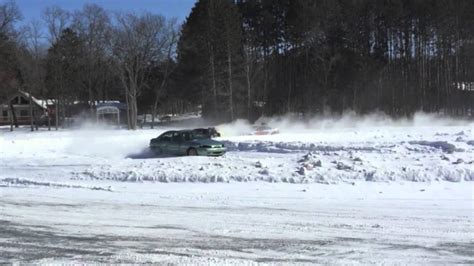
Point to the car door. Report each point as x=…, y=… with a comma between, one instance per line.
x=161, y=144
x=174, y=146
x=186, y=142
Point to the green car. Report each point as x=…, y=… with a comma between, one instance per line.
x=186, y=142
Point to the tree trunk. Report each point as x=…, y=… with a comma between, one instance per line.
x=63, y=114
x=214, y=86
x=134, y=112
x=49, y=121
x=288, y=99
x=231, y=93
x=153, y=113
x=91, y=98
x=162, y=87
x=249, y=89
x=13, y=115
x=265, y=83
x=31, y=111
x=56, y=114
x=210, y=26
x=11, y=122
x=133, y=105
x=127, y=101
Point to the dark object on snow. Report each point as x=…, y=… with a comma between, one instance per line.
x=443, y=145
x=443, y=157
x=186, y=142
x=343, y=166
x=165, y=118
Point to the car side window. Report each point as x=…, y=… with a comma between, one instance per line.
x=166, y=137
x=200, y=133
x=187, y=136
x=177, y=137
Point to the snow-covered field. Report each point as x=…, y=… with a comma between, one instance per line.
x=341, y=191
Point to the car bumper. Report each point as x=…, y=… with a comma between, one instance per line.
x=211, y=151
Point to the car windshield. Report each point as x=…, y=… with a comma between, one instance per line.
x=166, y=136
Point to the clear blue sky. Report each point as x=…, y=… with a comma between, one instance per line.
x=32, y=9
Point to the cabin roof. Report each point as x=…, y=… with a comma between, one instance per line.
x=40, y=103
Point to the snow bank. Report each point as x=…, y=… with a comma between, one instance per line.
x=331, y=154
x=309, y=168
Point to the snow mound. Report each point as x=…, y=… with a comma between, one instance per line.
x=309, y=168
x=297, y=147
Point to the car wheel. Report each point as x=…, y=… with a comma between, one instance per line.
x=192, y=152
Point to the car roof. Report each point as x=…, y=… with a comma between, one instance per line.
x=169, y=131
x=179, y=131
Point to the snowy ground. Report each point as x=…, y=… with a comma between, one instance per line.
x=394, y=193
x=239, y=223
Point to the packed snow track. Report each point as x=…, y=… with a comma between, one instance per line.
x=238, y=223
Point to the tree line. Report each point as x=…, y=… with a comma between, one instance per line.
x=248, y=58
x=87, y=56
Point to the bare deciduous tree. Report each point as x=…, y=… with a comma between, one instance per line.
x=94, y=27
x=31, y=58
x=9, y=14
x=171, y=37
x=56, y=20
x=138, y=41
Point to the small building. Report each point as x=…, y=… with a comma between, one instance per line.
x=21, y=106
x=111, y=112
